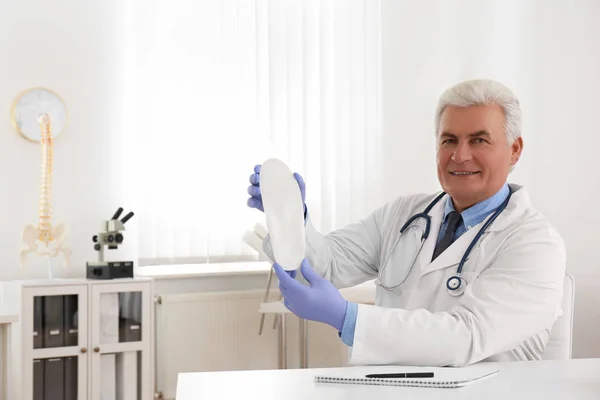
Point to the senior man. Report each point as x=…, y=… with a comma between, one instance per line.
x=469, y=274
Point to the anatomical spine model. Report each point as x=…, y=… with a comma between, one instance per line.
x=45, y=240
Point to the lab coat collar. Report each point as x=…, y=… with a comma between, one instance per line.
x=450, y=257
x=436, y=214
x=477, y=213
x=517, y=206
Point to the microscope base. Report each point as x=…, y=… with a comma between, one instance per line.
x=109, y=270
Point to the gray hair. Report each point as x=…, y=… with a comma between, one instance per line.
x=481, y=92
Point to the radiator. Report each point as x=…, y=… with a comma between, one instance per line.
x=218, y=331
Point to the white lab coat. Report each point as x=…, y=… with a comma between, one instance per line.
x=513, y=295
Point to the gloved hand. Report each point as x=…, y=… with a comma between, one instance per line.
x=320, y=301
x=254, y=190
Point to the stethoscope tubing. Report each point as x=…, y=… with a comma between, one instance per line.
x=425, y=215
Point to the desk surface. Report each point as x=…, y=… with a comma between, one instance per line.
x=572, y=379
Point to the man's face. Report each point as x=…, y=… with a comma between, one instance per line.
x=473, y=155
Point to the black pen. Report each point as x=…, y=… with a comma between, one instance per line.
x=403, y=375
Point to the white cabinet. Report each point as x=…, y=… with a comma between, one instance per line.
x=80, y=339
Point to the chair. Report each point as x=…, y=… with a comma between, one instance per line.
x=560, y=342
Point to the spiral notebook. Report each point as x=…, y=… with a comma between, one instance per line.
x=443, y=377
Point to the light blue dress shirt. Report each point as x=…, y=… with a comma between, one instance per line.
x=470, y=218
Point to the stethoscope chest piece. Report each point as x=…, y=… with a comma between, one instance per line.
x=456, y=285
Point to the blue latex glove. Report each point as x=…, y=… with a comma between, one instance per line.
x=320, y=301
x=255, y=201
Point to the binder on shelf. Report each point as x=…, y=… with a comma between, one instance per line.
x=71, y=378
x=129, y=331
x=54, y=373
x=38, y=379
x=130, y=310
x=53, y=321
x=38, y=312
x=70, y=328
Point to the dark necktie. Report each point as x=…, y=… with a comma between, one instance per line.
x=454, y=220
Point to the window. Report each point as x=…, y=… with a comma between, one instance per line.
x=215, y=87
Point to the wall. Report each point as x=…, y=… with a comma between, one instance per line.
x=69, y=46
x=549, y=56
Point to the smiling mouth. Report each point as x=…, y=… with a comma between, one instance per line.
x=463, y=173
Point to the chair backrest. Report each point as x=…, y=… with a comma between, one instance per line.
x=560, y=343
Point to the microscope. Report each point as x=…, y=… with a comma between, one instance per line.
x=111, y=237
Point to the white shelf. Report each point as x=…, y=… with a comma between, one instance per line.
x=71, y=282
x=203, y=270
x=8, y=319
x=18, y=302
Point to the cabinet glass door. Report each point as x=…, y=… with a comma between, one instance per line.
x=57, y=353
x=55, y=321
x=56, y=378
x=121, y=317
x=121, y=322
x=119, y=376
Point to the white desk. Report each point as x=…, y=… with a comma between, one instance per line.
x=6, y=322
x=549, y=380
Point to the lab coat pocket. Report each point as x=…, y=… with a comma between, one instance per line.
x=401, y=259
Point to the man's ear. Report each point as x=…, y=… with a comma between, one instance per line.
x=517, y=149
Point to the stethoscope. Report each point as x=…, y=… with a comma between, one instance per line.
x=455, y=285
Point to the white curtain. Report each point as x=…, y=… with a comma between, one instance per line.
x=216, y=87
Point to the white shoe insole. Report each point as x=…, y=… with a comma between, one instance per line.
x=284, y=211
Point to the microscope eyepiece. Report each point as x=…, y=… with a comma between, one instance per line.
x=127, y=217
x=118, y=213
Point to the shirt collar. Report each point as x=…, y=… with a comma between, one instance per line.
x=477, y=213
